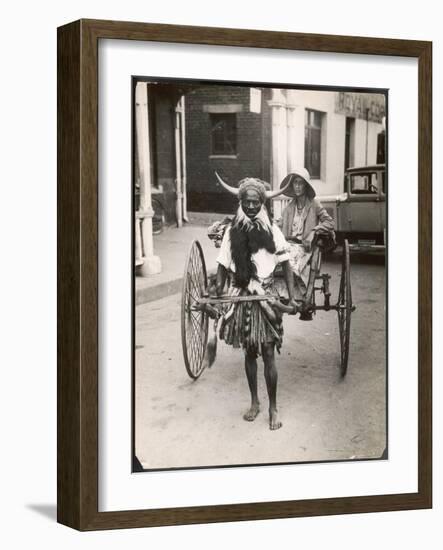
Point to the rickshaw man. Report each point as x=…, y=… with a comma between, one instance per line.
x=251, y=249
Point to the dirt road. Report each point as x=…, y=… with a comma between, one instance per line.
x=182, y=423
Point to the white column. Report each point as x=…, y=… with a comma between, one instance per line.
x=178, y=166
x=279, y=161
x=138, y=241
x=151, y=264
x=183, y=151
x=292, y=132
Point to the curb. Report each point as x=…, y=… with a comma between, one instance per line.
x=150, y=294
x=157, y=292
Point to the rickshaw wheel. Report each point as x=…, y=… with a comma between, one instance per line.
x=313, y=274
x=194, y=323
x=344, y=309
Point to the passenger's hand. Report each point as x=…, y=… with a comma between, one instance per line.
x=294, y=304
x=212, y=289
x=307, y=243
x=219, y=290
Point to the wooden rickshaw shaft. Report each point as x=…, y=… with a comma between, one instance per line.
x=225, y=299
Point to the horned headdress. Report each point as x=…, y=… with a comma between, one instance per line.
x=252, y=183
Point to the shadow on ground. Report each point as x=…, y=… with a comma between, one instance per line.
x=48, y=511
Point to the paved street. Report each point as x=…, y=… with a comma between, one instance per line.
x=182, y=423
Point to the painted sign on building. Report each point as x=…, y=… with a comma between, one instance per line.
x=366, y=106
x=255, y=100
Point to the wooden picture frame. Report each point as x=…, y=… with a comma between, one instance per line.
x=78, y=467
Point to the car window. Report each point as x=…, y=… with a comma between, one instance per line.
x=364, y=184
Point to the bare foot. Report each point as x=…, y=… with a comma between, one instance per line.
x=274, y=422
x=252, y=413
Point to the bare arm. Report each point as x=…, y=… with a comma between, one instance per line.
x=221, y=279
x=324, y=219
x=289, y=278
x=325, y=224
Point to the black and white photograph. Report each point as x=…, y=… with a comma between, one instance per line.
x=260, y=300
x=220, y=280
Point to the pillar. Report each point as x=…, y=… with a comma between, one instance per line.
x=292, y=141
x=151, y=263
x=279, y=143
x=178, y=165
x=183, y=151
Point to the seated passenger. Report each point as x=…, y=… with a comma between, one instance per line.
x=301, y=220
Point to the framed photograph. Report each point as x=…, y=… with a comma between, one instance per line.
x=244, y=275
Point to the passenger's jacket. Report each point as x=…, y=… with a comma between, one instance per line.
x=316, y=218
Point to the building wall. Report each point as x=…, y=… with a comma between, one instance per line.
x=333, y=139
x=270, y=143
x=253, y=146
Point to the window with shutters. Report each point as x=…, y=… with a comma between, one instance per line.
x=313, y=129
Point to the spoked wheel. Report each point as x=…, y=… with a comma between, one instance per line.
x=315, y=270
x=345, y=309
x=194, y=323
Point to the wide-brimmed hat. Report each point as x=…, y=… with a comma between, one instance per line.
x=304, y=174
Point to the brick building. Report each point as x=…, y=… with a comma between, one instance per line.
x=267, y=133
x=228, y=130
x=185, y=131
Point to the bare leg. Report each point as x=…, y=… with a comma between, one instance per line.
x=251, y=375
x=271, y=378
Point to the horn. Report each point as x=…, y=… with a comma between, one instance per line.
x=232, y=190
x=272, y=194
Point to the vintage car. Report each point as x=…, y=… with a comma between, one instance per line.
x=359, y=212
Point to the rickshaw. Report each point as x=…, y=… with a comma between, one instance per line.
x=198, y=306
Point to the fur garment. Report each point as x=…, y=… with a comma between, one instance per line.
x=248, y=237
